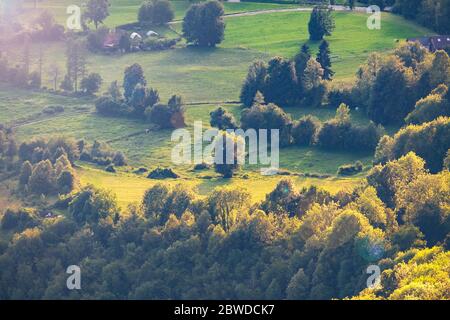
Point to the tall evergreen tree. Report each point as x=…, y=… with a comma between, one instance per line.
x=321, y=23
x=253, y=83
x=281, y=82
x=323, y=57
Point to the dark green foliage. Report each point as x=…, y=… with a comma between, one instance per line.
x=280, y=82
x=96, y=39
x=429, y=141
x=119, y=159
x=226, y=144
x=305, y=130
x=110, y=169
x=18, y=220
x=254, y=82
x=408, y=236
x=66, y=181
x=163, y=173
x=91, y=205
x=203, y=24
x=389, y=95
x=160, y=202
x=106, y=106
x=321, y=23
x=350, y=169
x=133, y=76
x=222, y=119
x=268, y=117
x=42, y=179
x=224, y=244
x=436, y=104
x=76, y=64
x=156, y=12
x=97, y=11
x=168, y=116
x=67, y=84
x=323, y=57
x=433, y=14
x=91, y=84
x=300, y=62
x=340, y=134
x=25, y=173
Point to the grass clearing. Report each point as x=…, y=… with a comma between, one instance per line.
x=202, y=75
x=130, y=188
x=283, y=33
x=125, y=11
x=207, y=76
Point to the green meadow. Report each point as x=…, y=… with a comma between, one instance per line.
x=125, y=11
x=212, y=75
x=206, y=78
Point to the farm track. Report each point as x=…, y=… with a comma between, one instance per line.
x=268, y=11
x=17, y=124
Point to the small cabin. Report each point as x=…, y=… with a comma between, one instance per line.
x=433, y=43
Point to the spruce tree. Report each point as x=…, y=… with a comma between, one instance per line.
x=323, y=57
x=321, y=23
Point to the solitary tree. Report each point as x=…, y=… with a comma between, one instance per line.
x=203, y=24
x=222, y=119
x=91, y=84
x=97, y=11
x=321, y=23
x=156, y=12
x=133, y=76
x=253, y=83
x=54, y=73
x=323, y=57
x=300, y=62
x=351, y=4
x=76, y=61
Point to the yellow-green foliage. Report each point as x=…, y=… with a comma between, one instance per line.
x=416, y=275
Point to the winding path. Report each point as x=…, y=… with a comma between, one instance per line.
x=299, y=9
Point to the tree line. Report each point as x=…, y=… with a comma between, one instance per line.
x=136, y=100
x=295, y=244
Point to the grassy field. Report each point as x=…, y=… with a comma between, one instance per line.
x=210, y=75
x=24, y=106
x=201, y=75
x=130, y=188
x=154, y=149
x=282, y=33
x=125, y=11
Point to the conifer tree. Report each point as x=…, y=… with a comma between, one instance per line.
x=323, y=57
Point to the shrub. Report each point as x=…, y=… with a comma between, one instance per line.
x=119, y=159
x=351, y=169
x=110, y=168
x=18, y=220
x=268, y=117
x=163, y=173
x=53, y=110
x=222, y=119
x=96, y=39
x=108, y=107
x=91, y=84
x=157, y=44
x=305, y=130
